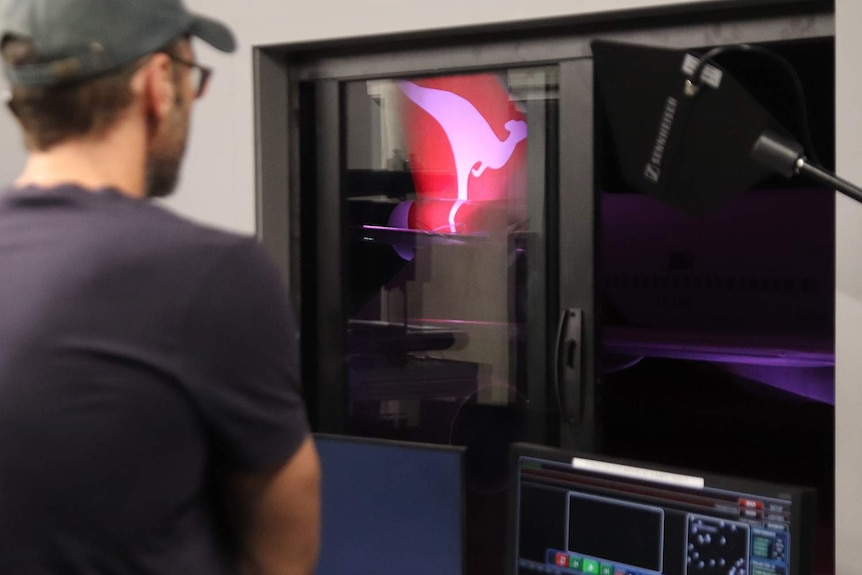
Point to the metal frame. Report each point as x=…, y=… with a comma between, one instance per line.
x=577, y=240
x=551, y=41
x=283, y=206
x=330, y=307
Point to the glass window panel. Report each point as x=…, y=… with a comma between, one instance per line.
x=446, y=198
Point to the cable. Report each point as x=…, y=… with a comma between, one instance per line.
x=788, y=68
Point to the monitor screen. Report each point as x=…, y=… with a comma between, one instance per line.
x=583, y=515
x=390, y=507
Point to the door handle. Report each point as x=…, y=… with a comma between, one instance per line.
x=568, y=377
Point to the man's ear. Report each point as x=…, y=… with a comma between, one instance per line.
x=10, y=103
x=153, y=83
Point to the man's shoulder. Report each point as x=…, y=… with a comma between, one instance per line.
x=109, y=217
x=119, y=236
x=162, y=231
x=181, y=229
x=200, y=252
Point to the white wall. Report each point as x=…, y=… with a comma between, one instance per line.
x=11, y=148
x=848, y=471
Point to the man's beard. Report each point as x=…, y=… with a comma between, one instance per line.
x=166, y=156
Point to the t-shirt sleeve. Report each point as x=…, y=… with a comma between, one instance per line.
x=238, y=342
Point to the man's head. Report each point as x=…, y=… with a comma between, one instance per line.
x=75, y=66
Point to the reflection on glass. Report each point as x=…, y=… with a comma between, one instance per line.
x=718, y=347
x=445, y=200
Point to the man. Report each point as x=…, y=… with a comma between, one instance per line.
x=150, y=421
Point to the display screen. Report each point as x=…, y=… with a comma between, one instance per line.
x=390, y=507
x=572, y=515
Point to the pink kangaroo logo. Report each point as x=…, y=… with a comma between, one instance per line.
x=474, y=144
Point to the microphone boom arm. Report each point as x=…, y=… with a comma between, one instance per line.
x=785, y=157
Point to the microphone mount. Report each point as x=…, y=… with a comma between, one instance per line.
x=780, y=154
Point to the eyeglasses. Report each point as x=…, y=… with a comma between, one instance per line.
x=200, y=75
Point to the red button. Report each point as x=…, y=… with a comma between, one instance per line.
x=562, y=560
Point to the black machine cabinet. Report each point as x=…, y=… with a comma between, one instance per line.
x=469, y=268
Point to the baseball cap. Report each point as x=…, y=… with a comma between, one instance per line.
x=80, y=39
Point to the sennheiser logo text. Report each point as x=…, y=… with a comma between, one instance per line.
x=653, y=168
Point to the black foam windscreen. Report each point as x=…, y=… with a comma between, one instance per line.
x=693, y=151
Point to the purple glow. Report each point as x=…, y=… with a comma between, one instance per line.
x=812, y=383
x=802, y=366
x=399, y=218
x=739, y=356
x=726, y=264
x=777, y=351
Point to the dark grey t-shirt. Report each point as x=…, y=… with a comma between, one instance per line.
x=143, y=359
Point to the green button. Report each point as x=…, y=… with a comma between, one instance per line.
x=607, y=569
x=591, y=567
x=576, y=563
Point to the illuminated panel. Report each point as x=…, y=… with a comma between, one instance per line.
x=466, y=142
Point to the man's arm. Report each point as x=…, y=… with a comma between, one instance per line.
x=278, y=516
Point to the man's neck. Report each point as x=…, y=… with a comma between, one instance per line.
x=93, y=164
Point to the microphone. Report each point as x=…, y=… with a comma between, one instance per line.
x=785, y=157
